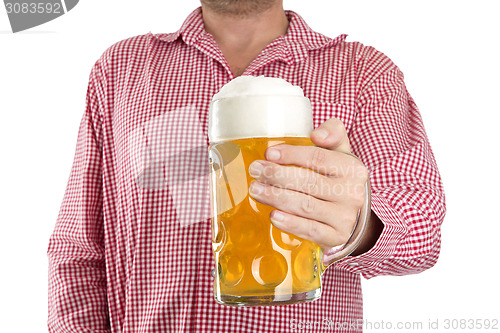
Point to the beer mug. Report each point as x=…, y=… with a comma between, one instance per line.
x=257, y=263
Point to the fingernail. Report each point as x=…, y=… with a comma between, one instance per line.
x=277, y=216
x=273, y=154
x=321, y=133
x=255, y=169
x=256, y=189
x=277, y=219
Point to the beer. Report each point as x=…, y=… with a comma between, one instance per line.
x=255, y=261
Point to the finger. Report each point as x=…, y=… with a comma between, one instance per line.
x=324, y=161
x=306, y=206
x=292, y=202
x=331, y=135
x=322, y=234
x=303, y=180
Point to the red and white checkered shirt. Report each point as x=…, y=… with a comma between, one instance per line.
x=131, y=250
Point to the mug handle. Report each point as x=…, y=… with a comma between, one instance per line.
x=336, y=253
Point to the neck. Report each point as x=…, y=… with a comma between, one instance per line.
x=242, y=37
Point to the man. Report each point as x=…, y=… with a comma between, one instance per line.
x=128, y=257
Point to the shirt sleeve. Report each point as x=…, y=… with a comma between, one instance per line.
x=77, y=272
x=407, y=192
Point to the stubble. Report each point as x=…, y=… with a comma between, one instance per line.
x=239, y=8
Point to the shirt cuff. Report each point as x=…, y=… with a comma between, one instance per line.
x=372, y=263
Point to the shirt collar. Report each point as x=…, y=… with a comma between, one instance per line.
x=294, y=46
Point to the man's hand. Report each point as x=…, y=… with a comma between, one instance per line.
x=317, y=191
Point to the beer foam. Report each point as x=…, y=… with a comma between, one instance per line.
x=250, y=106
x=258, y=86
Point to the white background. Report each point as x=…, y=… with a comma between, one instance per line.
x=448, y=51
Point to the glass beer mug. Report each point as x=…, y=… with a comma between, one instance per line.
x=257, y=263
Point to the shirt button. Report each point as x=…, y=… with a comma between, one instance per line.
x=212, y=272
x=354, y=264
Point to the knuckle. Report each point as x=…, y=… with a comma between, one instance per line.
x=318, y=158
x=357, y=196
x=312, y=230
x=309, y=182
x=339, y=125
x=358, y=199
x=280, y=197
x=355, y=169
x=274, y=193
x=346, y=226
x=357, y=190
x=343, y=129
x=361, y=172
x=334, y=123
x=338, y=128
x=307, y=205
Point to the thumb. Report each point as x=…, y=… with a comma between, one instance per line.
x=331, y=135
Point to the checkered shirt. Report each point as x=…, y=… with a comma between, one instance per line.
x=131, y=249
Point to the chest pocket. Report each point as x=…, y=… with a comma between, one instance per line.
x=322, y=111
x=171, y=151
